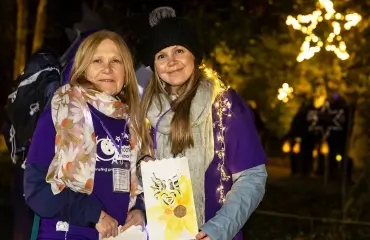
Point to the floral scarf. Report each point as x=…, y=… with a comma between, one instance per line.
x=73, y=165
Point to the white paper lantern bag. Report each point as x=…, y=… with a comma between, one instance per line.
x=169, y=199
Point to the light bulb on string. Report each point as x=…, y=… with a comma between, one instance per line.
x=285, y=92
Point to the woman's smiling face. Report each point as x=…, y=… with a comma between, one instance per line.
x=174, y=65
x=106, y=69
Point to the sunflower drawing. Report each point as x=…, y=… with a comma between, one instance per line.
x=175, y=207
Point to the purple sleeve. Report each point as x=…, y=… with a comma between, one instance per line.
x=140, y=205
x=243, y=148
x=76, y=208
x=42, y=147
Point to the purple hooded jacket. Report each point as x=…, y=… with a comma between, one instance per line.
x=245, y=162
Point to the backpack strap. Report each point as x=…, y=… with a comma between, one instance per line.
x=35, y=227
x=13, y=144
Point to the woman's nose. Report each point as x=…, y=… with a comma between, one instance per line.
x=107, y=68
x=171, y=61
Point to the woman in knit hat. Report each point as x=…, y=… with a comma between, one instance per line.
x=193, y=115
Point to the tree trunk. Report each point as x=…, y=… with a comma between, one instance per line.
x=21, y=38
x=40, y=23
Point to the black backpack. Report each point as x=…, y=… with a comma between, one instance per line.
x=36, y=86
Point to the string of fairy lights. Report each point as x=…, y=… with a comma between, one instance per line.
x=223, y=107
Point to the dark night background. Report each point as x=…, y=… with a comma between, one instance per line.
x=249, y=43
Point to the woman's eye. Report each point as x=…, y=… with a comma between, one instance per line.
x=180, y=51
x=116, y=61
x=160, y=56
x=97, y=61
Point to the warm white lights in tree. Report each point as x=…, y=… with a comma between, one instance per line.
x=285, y=92
x=313, y=43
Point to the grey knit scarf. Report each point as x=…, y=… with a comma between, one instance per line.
x=201, y=155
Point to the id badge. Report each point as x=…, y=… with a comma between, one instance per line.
x=121, y=176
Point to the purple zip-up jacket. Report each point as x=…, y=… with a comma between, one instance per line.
x=80, y=210
x=245, y=162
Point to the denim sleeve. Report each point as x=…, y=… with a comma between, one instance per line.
x=75, y=208
x=241, y=201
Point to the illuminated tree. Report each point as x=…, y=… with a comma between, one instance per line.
x=21, y=38
x=38, y=35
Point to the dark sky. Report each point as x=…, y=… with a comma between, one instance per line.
x=129, y=17
x=126, y=16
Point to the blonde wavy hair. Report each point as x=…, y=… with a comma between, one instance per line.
x=130, y=92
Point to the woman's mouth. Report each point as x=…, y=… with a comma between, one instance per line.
x=106, y=80
x=175, y=71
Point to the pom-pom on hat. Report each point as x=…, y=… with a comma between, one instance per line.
x=168, y=30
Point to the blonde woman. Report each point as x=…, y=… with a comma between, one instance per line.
x=193, y=115
x=80, y=175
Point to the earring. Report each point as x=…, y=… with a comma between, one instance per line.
x=122, y=92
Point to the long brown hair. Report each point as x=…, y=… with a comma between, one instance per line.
x=180, y=134
x=130, y=93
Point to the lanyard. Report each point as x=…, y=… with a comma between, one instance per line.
x=118, y=147
x=156, y=129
